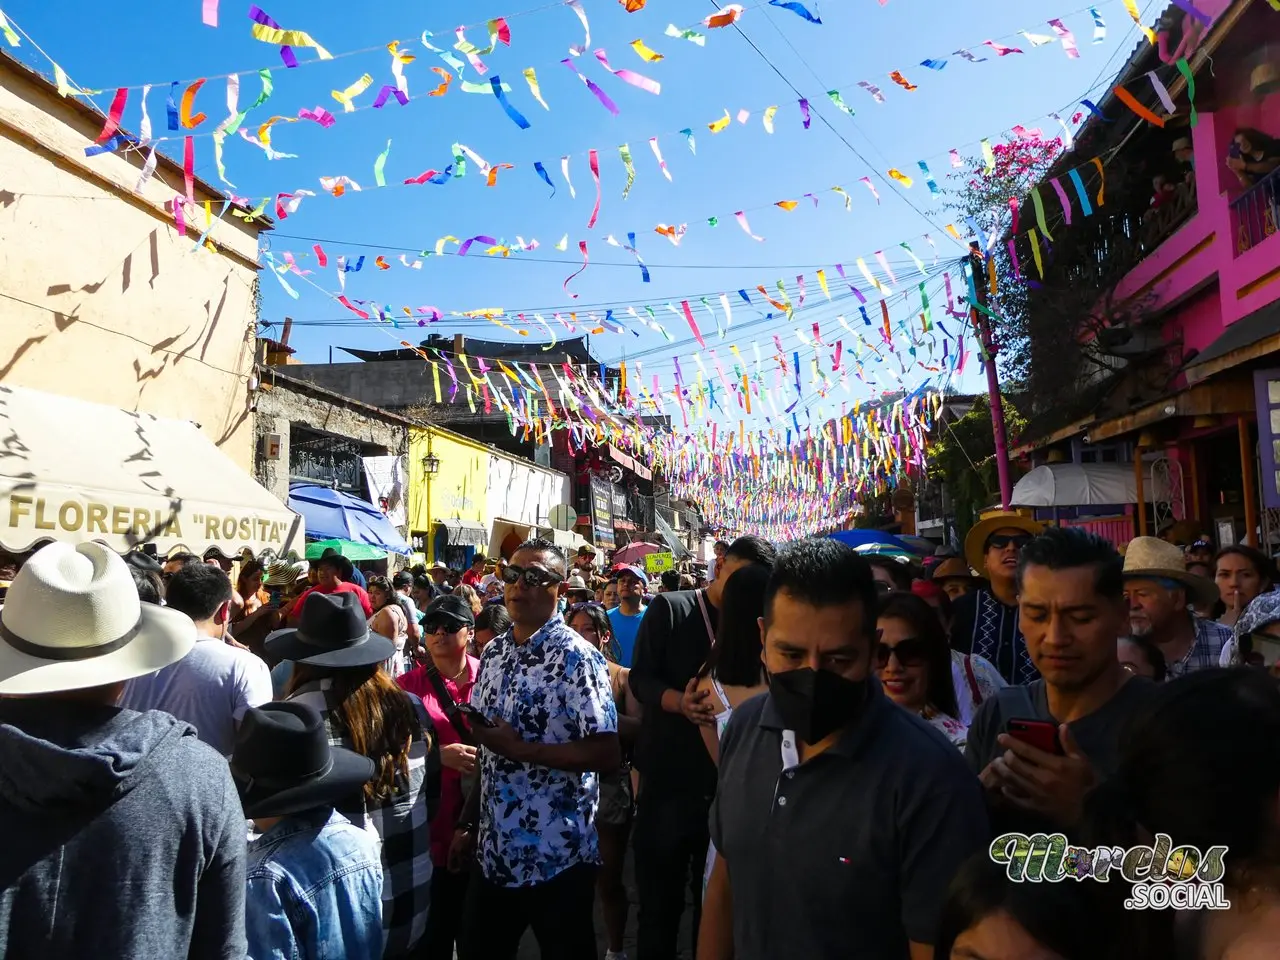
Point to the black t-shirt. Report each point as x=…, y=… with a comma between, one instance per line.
x=671, y=646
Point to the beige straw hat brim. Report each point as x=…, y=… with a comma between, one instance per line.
x=164, y=636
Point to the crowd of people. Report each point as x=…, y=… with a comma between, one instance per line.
x=812, y=751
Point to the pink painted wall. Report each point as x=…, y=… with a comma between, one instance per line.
x=1215, y=271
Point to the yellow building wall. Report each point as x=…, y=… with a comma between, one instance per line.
x=100, y=298
x=458, y=491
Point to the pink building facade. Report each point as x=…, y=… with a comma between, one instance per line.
x=1210, y=294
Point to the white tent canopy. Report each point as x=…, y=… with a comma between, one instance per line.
x=1083, y=485
x=76, y=471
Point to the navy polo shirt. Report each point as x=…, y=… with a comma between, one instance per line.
x=848, y=855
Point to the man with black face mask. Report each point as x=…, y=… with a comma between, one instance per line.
x=840, y=817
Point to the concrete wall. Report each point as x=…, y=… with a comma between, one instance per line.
x=387, y=383
x=102, y=299
x=280, y=405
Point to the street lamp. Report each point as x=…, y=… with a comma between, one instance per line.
x=431, y=464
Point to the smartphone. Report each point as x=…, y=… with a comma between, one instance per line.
x=274, y=596
x=1036, y=733
x=475, y=716
x=1234, y=151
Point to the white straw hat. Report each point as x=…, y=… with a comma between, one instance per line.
x=72, y=619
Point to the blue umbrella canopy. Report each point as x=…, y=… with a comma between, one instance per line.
x=331, y=514
x=863, y=538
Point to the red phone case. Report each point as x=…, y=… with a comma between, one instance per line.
x=1036, y=733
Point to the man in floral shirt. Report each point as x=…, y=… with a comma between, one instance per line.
x=546, y=692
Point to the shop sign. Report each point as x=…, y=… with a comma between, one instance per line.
x=657, y=563
x=602, y=512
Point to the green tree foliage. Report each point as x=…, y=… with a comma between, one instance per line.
x=962, y=459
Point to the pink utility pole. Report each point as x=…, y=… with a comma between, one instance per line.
x=982, y=325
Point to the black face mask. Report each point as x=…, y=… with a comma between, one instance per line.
x=816, y=703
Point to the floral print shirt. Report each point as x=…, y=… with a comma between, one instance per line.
x=536, y=822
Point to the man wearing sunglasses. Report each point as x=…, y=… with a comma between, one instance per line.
x=985, y=622
x=546, y=692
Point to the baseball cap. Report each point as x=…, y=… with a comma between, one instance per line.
x=449, y=607
x=638, y=573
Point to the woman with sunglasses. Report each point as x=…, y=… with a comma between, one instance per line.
x=913, y=663
x=613, y=817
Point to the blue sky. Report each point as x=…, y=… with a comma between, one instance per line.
x=743, y=168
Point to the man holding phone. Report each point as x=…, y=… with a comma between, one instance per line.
x=548, y=727
x=1038, y=749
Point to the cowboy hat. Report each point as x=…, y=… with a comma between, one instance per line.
x=1150, y=558
x=952, y=568
x=332, y=633
x=975, y=543
x=72, y=619
x=282, y=762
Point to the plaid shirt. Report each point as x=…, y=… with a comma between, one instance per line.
x=401, y=822
x=1206, y=652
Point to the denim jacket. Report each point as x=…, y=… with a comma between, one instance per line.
x=314, y=890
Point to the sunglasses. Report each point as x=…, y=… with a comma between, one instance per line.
x=532, y=576
x=911, y=652
x=577, y=608
x=434, y=626
x=1001, y=540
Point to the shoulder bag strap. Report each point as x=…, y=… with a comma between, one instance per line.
x=706, y=618
x=973, y=681
x=447, y=703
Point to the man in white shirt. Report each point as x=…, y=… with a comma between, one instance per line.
x=713, y=565
x=215, y=684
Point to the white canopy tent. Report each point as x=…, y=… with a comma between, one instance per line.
x=76, y=471
x=1084, y=485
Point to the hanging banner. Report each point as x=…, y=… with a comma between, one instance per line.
x=602, y=512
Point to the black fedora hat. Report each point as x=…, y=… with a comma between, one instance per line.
x=282, y=762
x=333, y=633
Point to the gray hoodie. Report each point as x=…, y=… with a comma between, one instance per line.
x=121, y=837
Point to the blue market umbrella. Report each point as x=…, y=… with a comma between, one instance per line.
x=333, y=515
x=863, y=538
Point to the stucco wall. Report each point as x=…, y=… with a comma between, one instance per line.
x=101, y=298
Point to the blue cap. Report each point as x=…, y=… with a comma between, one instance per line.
x=638, y=572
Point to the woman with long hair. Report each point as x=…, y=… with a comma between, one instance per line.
x=734, y=671
x=253, y=615
x=389, y=621
x=338, y=671
x=1241, y=573
x=613, y=818
x=913, y=663
x=473, y=599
